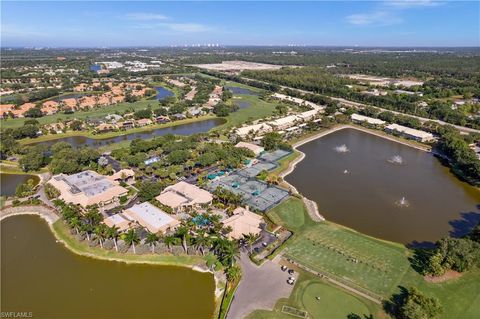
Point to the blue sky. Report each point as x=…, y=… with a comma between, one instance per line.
x=128, y=23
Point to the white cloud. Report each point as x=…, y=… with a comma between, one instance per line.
x=143, y=16
x=382, y=18
x=406, y=4
x=187, y=27
x=175, y=27
x=389, y=12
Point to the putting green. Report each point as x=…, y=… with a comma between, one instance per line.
x=333, y=303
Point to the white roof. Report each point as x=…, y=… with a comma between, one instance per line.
x=257, y=149
x=410, y=131
x=255, y=128
x=308, y=114
x=150, y=216
x=371, y=120
x=284, y=120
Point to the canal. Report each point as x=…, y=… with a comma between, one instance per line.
x=182, y=129
x=43, y=277
x=384, y=189
x=9, y=182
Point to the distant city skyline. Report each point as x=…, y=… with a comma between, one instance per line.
x=391, y=23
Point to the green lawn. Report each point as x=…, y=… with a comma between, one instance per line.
x=334, y=303
x=256, y=110
x=94, y=113
x=328, y=247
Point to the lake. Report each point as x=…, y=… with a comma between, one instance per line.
x=242, y=104
x=239, y=90
x=363, y=188
x=162, y=93
x=181, y=129
x=45, y=278
x=9, y=182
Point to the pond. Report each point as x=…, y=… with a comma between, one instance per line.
x=162, y=93
x=41, y=276
x=181, y=129
x=242, y=104
x=9, y=182
x=384, y=189
x=240, y=90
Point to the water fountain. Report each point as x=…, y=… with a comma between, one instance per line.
x=341, y=149
x=402, y=202
x=396, y=159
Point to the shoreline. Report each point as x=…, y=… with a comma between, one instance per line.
x=52, y=137
x=60, y=238
x=310, y=205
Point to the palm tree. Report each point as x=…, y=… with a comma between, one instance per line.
x=87, y=229
x=132, y=238
x=100, y=232
x=75, y=223
x=201, y=241
x=182, y=232
x=229, y=253
x=250, y=239
x=233, y=273
x=169, y=240
x=93, y=216
x=112, y=232
x=152, y=240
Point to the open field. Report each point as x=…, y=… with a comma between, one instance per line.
x=237, y=66
x=82, y=115
x=357, y=260
x=257, y=108
x=334, y=303
x=385, y=266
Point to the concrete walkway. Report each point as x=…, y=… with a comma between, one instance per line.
x=260, y=288
x=47, y=213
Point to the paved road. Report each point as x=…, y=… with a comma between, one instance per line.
x=361, y=105
x=260, y=288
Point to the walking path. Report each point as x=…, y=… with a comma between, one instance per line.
x=259, y=288
x=47, y=213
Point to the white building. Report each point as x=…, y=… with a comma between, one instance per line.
x=260, y=128
x=411, y=133
x=370, y=120
x=256, y=149
x=151, y=217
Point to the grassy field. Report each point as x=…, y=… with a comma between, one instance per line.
x=94, y=113
x=256, y=110
x=334, y=303
x=384, y=266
